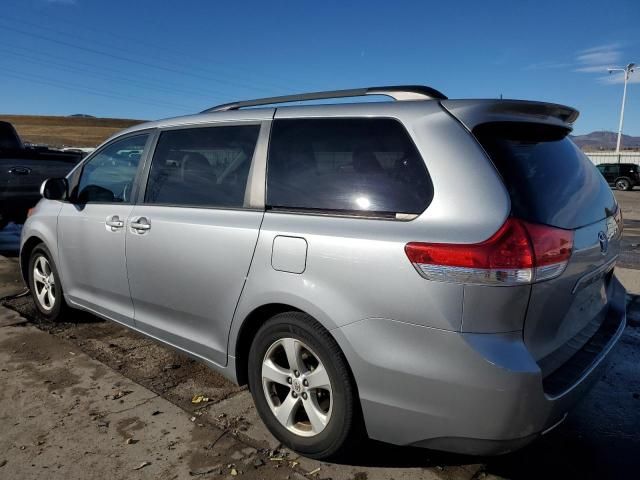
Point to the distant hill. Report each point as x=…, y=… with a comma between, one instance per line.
x=604, y=140
x=80, y=130
x=73, y=131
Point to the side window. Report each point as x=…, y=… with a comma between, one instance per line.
x=108, y=177
x=361, y=166
x=203, y=167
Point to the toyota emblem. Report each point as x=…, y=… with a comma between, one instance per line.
x=604, y=242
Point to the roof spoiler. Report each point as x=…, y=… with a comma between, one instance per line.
x=397, y=92
x=475, y=112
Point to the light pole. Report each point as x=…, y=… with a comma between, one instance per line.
x=628, y=70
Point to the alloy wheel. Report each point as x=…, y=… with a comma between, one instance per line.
x=44, y=283
x=297, y=387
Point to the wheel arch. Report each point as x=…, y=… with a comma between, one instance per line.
x=25, y=255
x=247, y=331
x=252, y=323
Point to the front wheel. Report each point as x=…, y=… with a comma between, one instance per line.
x=44, y=283
x=302, y=387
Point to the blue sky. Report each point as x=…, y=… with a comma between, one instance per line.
x=153, y=59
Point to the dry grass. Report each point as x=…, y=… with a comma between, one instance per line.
x=66, y=131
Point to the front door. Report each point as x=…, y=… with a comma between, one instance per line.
x=190, y=240
x=611, y=173
x=91, y=230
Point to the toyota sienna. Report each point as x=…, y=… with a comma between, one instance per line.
x=425, y=271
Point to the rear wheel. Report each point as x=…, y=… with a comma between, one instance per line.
x=302, y=387
x=44, y=283
x=623, y=184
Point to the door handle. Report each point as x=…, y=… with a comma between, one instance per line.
x=140, y=225
x=20, y=170
x=114, y=223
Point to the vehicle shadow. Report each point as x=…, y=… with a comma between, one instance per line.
x=556, y=455
x=24, y=305
x=371, y=453
x=563, y=453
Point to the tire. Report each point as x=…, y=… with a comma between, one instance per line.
x=623, y=184
x=341, y=427
x=47, y=295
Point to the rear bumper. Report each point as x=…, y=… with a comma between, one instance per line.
x=467, y=393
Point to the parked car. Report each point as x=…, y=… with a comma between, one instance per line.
x=22, y=171
x=426, y=272
x=624, y=176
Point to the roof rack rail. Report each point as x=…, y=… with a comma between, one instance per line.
x=397, y=92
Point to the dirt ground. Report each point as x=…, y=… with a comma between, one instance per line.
x=66, y=415
x=599, y=439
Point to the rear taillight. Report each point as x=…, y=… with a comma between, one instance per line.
x=518, y=253
x=619, y=220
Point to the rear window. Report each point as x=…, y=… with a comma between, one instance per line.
x=362, y=166
x=549, y=179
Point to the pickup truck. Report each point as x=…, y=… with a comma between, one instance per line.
x=22, y=171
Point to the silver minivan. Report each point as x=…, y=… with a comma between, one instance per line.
x=424, y=271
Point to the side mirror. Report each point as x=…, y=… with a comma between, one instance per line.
x=54, y=189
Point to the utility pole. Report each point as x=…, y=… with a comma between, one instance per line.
x=628, y=70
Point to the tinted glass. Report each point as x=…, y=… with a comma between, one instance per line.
x=549, y=179
x=108, y=177
x=365, y=166
x=204, y=167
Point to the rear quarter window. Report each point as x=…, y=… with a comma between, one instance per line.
x=549, y=179
x=366, y=166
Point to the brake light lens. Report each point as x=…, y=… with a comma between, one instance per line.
x=518, y=253
x=619, y=220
